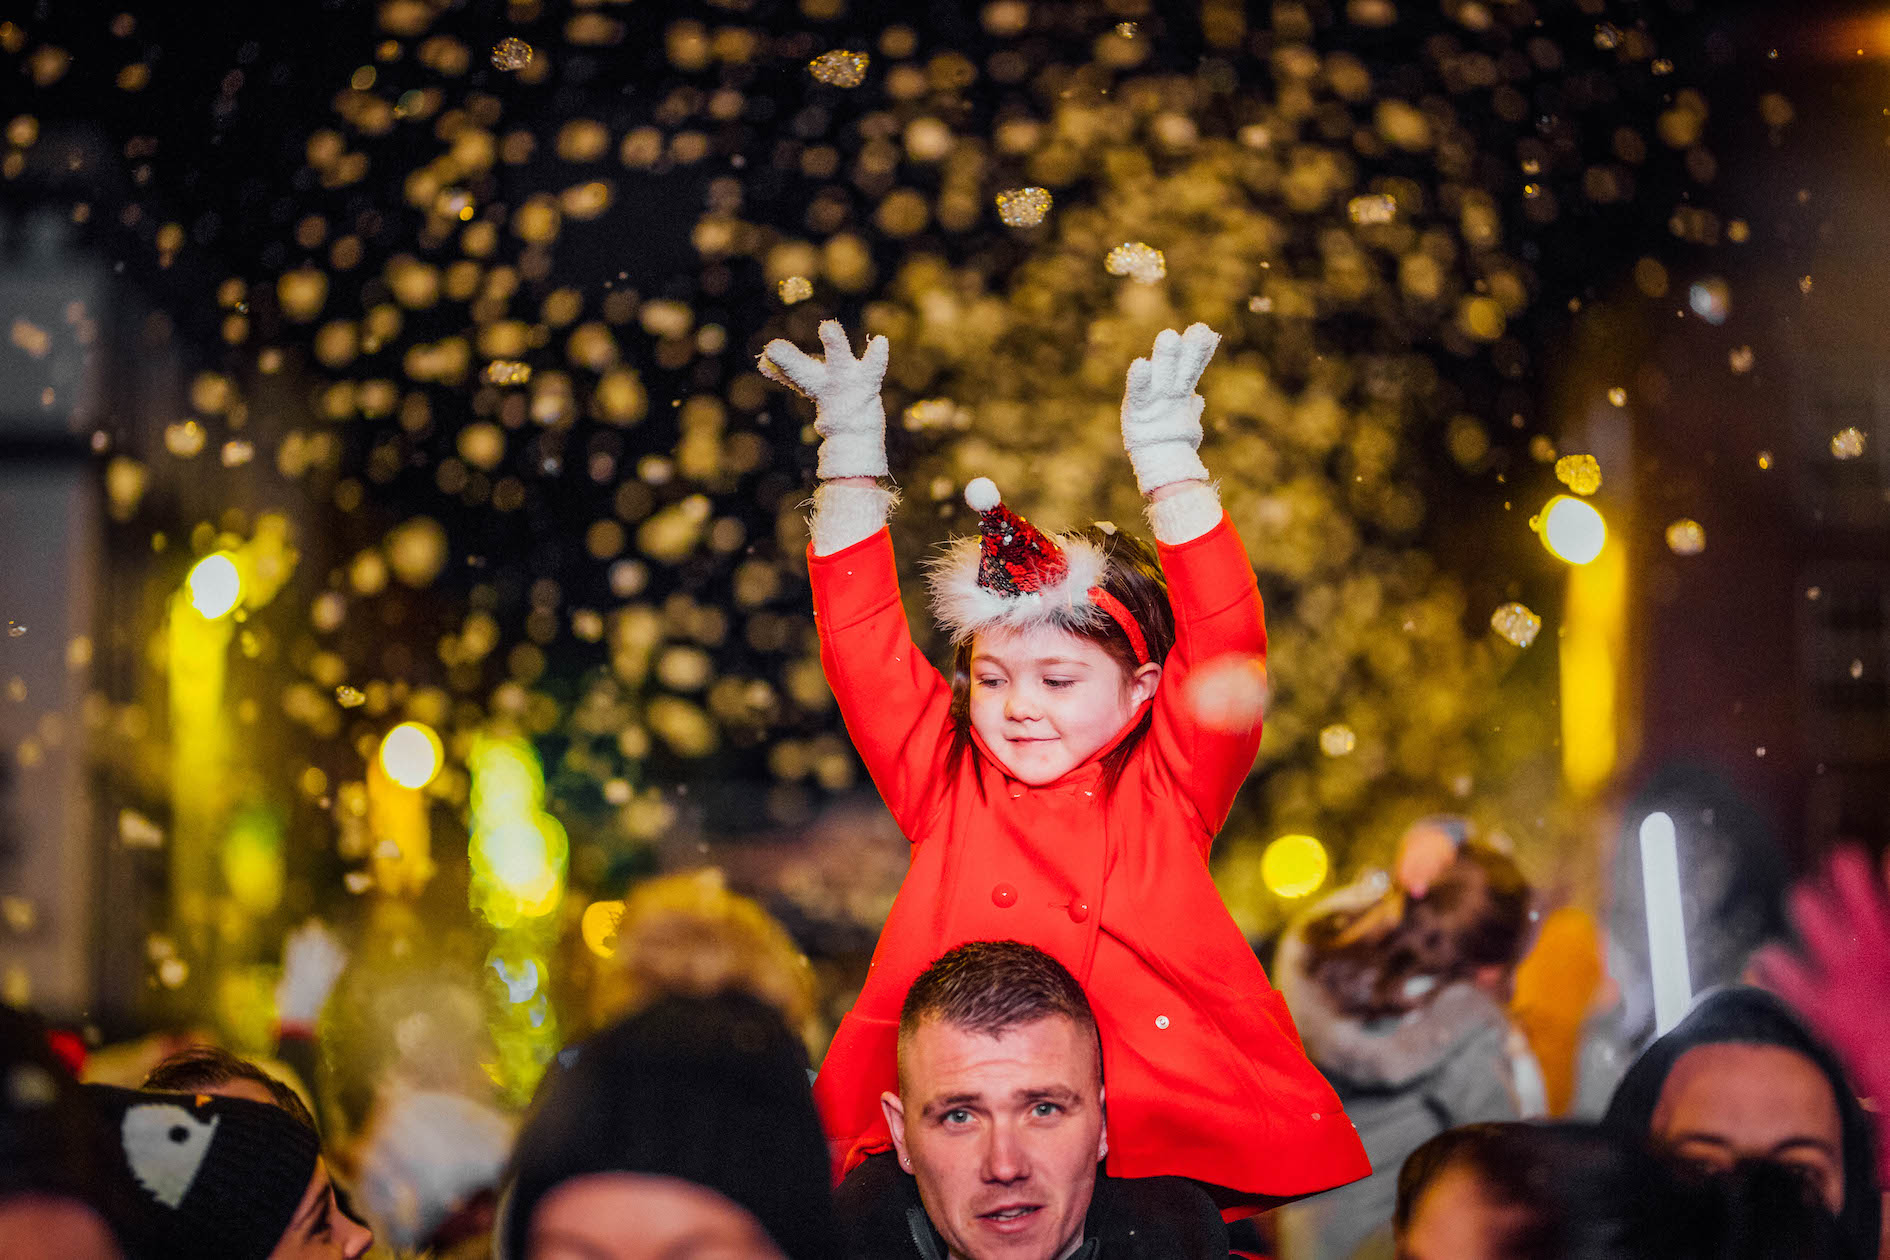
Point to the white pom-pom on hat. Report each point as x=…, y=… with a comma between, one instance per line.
x=982, y=494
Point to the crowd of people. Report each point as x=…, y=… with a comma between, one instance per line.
x=1065, y=1047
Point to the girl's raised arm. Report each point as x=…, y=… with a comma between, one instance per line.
x=1202, y=733
x=897, y=708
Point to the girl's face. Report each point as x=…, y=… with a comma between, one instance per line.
x=1044, y=700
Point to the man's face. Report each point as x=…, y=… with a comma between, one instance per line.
x=1002, y=1133
x=319, y=1230
x=1044, y=700
x=634, y=1216
x=1727, y=1102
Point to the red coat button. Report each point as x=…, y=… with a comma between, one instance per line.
x=1004, y=896
x=1079, y=911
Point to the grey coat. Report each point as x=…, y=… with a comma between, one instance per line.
x=1403, y=1081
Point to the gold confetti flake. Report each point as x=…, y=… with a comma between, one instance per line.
x=1580, y=473
x=1023, y=207
x=511, y=53
x=1337, y=740
x=350, y=697
x=1740, y=360
x=1804, y=285
x=1765, y=461
x=934, y=415
x=1373, y=210
x=1128, y=30
x=508, y=372
x=1260, y=304
x=796, y=289
x=1686, y=537
x=1847, y=443
x=1142, y=263
x=1618, y=396
x=1857, y=668
x=840, y=68
x=1516, y=623
x=184, y=439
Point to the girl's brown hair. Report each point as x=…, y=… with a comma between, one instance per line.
x=1133, y=574
x=1374, y=961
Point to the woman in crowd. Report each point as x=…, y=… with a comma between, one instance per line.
x=1399, y=995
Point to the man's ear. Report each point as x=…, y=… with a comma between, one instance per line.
x=1144, y=681
x=895, y=1113
x=1102, y=1141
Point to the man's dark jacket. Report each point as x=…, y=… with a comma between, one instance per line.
x=1141, y=1218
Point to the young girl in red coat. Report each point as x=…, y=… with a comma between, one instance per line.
x=1063, y=787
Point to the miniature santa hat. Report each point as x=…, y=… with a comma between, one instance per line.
x=1014, y=576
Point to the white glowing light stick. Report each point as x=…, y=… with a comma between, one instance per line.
x=1666, y=926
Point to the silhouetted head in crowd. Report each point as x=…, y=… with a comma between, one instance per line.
x=210, y=1070
x=1578, y=1192
x=1741, y=1078
x=999, y=1114
x=52, y=1154
x=687, y=1129
x=219, y=1176
x=1392, y=956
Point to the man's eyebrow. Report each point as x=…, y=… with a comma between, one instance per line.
x=1710, y=1139
x=1050, y=1093
x=949, y=1102
x=1805, y=1142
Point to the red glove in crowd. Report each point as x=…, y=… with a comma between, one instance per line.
x=1839, y=976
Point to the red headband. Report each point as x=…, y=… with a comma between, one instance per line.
x=1113, y=606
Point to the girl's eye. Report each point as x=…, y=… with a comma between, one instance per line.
x=1058, y=684
x=990, y=682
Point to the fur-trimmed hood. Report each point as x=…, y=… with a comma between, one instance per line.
x=1379, y=1053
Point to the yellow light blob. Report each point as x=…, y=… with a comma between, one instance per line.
x=599, y=926
x=412, y=754
x=215, y=586
x=1293, y=866
x=1572, y=530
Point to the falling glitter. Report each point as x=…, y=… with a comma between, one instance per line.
x=1337, y=740
x=1686, y=537
x=1711, y=299
x=1516, y=623
x=839, y=69
x=1372, y=210
x=1618, y=396
x=1857, y=668
x=1740, y=360
x=1765, y=461
x=511, y=53
x=350, y=697
x=1128, y=30
x=1023, y=207
x=1804, y=285
x=1580, y=473
x=796, y=289
x=935, y=414
x=508, y=372
x=1847, y=443
x=15, y=631
x=1142, y=263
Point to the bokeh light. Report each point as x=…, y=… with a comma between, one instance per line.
x=215, y=586
x=411, y=755
x=1572, y=530
x=1294, y=866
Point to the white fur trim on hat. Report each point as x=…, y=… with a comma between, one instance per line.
x=964, y=608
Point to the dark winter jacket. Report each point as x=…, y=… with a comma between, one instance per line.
x=1403, y=1081
x=1130, y=1218
x=1749, y=1016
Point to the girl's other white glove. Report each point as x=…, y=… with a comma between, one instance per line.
x=1161, y=413
x=848, y=413
x=312, y=960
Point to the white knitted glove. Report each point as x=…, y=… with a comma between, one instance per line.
x=848, y=414
x=1161, y=413
x=312, y=960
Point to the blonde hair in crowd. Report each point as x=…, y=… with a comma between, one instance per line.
x=688, y=934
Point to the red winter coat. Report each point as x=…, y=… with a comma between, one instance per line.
x=1204, y=1069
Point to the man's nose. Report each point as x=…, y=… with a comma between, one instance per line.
x=1005, y=1160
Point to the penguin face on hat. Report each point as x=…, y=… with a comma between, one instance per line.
x=165, y=1146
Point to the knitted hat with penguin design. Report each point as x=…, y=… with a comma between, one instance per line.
x=206, y=1176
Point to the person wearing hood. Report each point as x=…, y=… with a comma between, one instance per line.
x=1399, y=997
x=1741, y=1078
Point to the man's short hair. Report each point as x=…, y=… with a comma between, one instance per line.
x=991, y=987
x=197, y=1069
